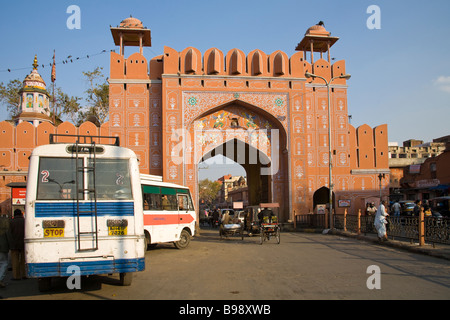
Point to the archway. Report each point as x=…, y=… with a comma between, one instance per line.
x=322, y=197
x=253, y=138
x=227, y=181
x=253, y=161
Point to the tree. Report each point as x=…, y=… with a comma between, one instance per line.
x=9, y=96
x=67, y=107
x=97, y=95
x=208, y=191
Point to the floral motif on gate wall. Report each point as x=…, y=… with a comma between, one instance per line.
x=197, y=103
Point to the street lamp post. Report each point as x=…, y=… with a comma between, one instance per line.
x=381, y=177
x=330, y=163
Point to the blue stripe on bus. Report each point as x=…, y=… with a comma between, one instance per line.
x=55, y=269
x=69, y=209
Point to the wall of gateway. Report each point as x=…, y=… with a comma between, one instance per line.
x=368, y=150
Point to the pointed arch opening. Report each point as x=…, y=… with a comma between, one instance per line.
x=322, y=197
x=240, y=156
x=252, y=139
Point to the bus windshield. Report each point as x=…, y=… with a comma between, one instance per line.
x=112, y=179
x=57, y=180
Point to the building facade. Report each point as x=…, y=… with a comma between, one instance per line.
x=409, y=158
x=428, y=180
x=233, y=189
x=183, y=107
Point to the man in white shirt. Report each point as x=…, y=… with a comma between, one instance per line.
x=396, y=207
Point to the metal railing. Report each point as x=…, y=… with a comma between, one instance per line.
x=435, y=229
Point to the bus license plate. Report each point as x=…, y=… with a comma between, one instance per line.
x=117, y=231
x=53, y=232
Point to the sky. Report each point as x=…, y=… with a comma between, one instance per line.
x=400, y=72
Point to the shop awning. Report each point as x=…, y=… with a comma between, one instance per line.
x=440, y=187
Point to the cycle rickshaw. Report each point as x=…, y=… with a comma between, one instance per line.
x=251, y=222
x=231, y=230
x=231, y=227
x=269, y=222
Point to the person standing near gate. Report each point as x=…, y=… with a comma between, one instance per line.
x=16, y=235
x=4, y=249
x=396, y=208
x=417, y=208
x=380, y=221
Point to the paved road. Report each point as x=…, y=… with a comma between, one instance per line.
x=303, y=266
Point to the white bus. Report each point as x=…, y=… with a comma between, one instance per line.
x=169, y=215
x=83, y=210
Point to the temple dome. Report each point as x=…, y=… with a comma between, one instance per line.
x=35, y=100
x=317, y=30
x=34, y=79
x=132, y=23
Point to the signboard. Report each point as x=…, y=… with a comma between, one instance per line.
x=428, y=183
x=269, y=205
x=18, y=196
x=238, y=205
x=415, y=168
x=321, y=208
x=345, y=203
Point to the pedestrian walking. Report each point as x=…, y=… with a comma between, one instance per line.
x=16, y=236
x=396, y=208
x=380, y=221
x=4, y=249
x=417, y=208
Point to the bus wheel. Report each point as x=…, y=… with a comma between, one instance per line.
x=185, y=239
x=44, y=284
x=147, y=240
x=126, y=278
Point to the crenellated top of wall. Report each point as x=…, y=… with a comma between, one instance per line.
x=369, y=147
x=191, y=61
x=17, y=142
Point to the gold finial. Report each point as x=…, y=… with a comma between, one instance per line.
x=35, y=63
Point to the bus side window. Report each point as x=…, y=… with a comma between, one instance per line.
x=146, y=202
x=183, y=202
x=155, y=202
x=169, y=202
x=152, y=201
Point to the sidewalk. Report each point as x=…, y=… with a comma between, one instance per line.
x=437, y=250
